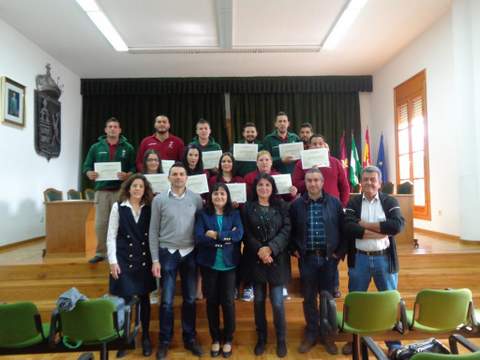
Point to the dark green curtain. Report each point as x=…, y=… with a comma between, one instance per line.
x=330, y=114
x=137, y=112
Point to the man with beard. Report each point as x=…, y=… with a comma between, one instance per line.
x=249, y=134
x=306, y=132
x=169, y=147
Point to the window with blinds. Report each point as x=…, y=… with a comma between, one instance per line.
x=412, y=141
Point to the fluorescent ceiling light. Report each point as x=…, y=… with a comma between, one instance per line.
x=343, y=23
x=103, y=24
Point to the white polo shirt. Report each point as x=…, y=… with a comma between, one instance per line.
x=372, y=211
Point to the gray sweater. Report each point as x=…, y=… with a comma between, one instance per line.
x=172, y=221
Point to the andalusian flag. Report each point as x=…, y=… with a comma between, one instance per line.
x=355, y=166
x=366, y=161
x=343, y=154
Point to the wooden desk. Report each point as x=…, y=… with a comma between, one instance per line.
x=70, y=228
x=406, y=206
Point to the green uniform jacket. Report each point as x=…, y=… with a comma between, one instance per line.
x=211, y=146
x=99, y=152
x=271, y=143
x=244, y=167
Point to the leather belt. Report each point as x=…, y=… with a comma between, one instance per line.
x=373, y=253
x=322, y=253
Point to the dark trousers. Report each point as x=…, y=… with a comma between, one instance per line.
x=317, y=274
x=144, y=301
x=219, y=290
x=278, y=309
x=170, y=265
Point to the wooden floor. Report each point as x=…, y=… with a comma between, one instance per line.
x=25, y=275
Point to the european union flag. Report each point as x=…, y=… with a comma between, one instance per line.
x=381, y=161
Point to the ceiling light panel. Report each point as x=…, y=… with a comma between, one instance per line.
x=164, y=23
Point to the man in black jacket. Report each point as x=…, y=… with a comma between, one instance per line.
x=316, y=241
x=371, y=221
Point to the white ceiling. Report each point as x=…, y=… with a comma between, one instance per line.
x=221, y=37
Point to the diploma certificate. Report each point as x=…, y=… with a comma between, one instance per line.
x=107, y=170
x=315, y=157
x=198, y=184
x=211, y=158
x=245, y=152
x=166, y=165
x=238, y=192
x=283, y=182
x=159, y=182
x=290, y=149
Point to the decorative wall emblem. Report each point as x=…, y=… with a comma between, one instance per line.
x=47, y=115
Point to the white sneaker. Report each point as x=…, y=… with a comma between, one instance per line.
x=247, y=294
x=285, y=293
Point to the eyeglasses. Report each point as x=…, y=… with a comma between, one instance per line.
x=152, y=160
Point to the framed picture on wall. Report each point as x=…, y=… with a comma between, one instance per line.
x=12, y=102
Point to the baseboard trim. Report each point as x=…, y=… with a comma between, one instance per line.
x=435, y=233
x=17, y=244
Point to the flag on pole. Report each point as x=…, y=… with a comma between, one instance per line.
x=366, y=161
x=355, y=166
x=343, y=154
x=381, y=160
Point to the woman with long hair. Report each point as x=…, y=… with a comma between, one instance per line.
x=128, y=249
x=267, y=227
x=152, y=164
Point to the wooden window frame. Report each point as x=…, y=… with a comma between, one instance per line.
x=406, y=92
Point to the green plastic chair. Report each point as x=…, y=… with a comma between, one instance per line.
x=21, y=326
x=74, y=195
x=52, y=194
x=369, y=313
x=440, y=311
x=93, y=324
x=89, y=194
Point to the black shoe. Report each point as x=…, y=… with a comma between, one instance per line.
x=194, y=347
x=96, y=259
x=227, y=354
x=330, y=346
x=347, y=348
x=162, y=351
x=259, y=347
x=281, y=349
x=121, y=353
x=146, y=346
x=306, y=345
x=215, y=350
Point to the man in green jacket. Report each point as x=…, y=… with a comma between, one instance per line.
x=203, y=138
x=249, y=134
x=111, y=147
x=280, y=135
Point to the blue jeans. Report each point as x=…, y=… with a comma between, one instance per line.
x=376, y=267
x=317, y=273
x=170, y=265
x=278, y=309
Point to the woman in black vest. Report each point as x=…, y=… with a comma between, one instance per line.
x=128, y=249
x=267, y=227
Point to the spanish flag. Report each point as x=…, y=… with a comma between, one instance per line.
x=366, y=161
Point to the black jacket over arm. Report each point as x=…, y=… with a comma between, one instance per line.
x=393, y=225
x=273, y=232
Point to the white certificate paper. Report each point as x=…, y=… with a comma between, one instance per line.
x=315, y=157
x=211, y=158
x=107, y=170
x=245, y=152
x=166, y=165
x=198, y=184
x=283, y=182
x=238, y=192
x=159, y=182
x=290, y=149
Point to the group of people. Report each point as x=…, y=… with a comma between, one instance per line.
x=148, y=236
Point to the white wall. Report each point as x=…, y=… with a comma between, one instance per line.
x=24, y=173
x=431, y=51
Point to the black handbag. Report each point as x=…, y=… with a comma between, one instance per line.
x=431, y=345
